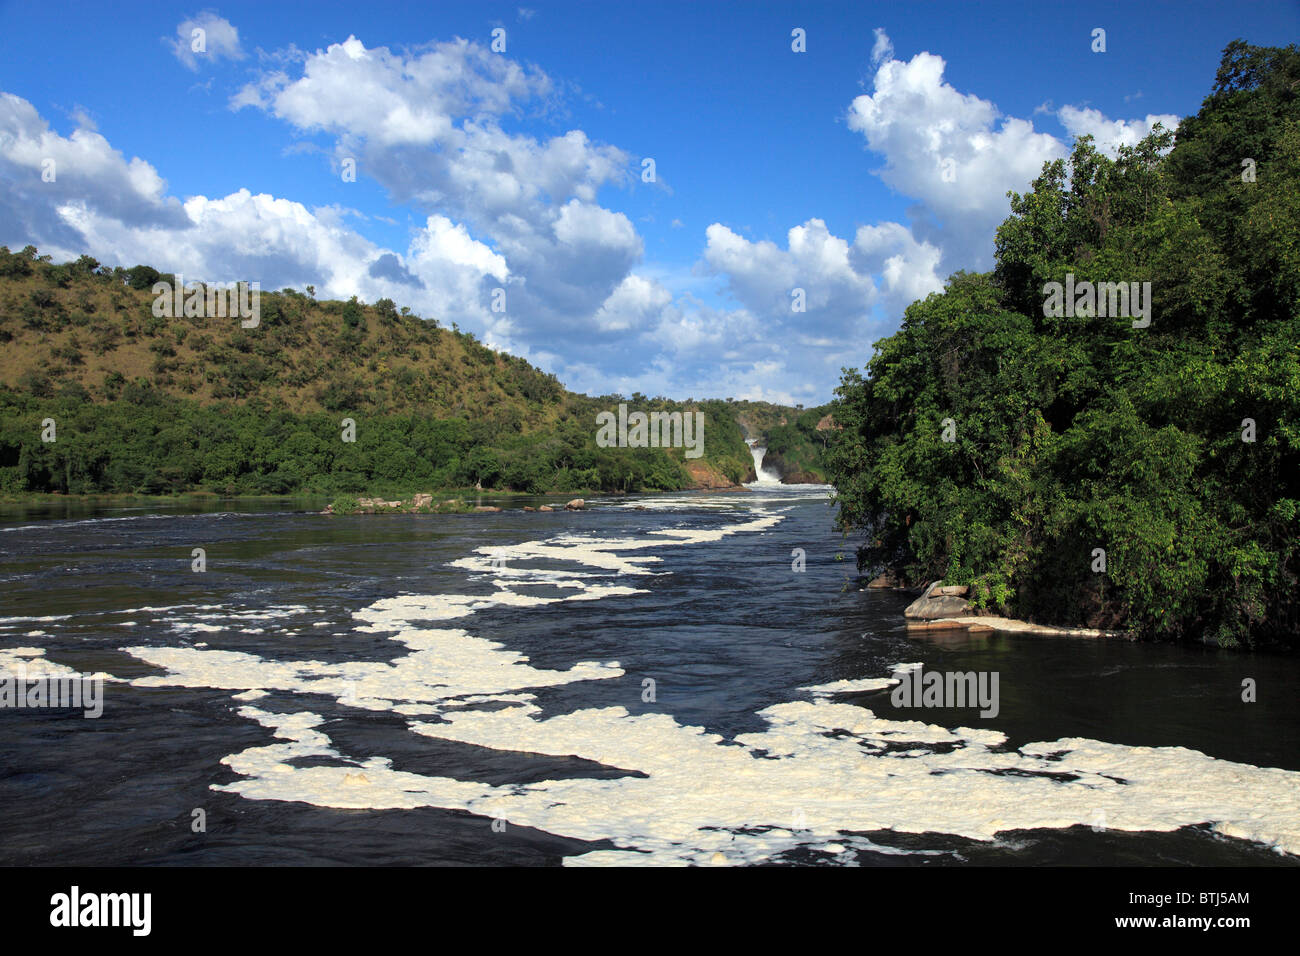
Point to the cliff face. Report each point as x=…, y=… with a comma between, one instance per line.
x=706, y=477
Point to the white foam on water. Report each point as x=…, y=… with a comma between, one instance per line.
x=32, y=662
x=702, y=795
x=819, y=775
x=851, y=686
x=443, y=666
x=33, y=659
x=756, y=496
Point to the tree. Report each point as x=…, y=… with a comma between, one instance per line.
x=142, y=277
x=353, y=317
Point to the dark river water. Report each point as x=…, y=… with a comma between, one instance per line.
x=611, y=686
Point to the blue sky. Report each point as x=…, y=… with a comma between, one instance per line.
x=862, y=171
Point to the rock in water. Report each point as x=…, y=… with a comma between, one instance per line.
x=545, y=508
x=577, y=504
x=932, y=605
x=486, y=508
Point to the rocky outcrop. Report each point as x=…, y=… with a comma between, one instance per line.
x=377, y=503
x=705, y=477
x=799, y=477
x=934, y=605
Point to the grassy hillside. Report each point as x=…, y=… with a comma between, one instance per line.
x=149, y=404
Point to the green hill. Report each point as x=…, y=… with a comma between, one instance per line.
x=151, y=404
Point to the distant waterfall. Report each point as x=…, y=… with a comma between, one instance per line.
x=766, y=476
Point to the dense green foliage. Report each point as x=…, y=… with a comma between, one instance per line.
x=797, y=449
x=151, y=443
x=150, y=404
x=1079, y=433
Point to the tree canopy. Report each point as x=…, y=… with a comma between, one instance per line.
x=1174, y=448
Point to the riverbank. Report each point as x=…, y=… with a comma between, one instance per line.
x=988, y=623
x=457, y=491
x=945, y=607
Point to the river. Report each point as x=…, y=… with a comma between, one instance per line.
x=697, y=680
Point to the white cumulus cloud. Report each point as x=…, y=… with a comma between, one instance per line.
x=206, y=36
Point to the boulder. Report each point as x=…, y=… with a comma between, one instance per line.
x=529, y=508
x=886, y=580
x=577, y=504
x=421, y=501
x=545, y=508
x=486, y=508
x=952, y=590
x=931, y=606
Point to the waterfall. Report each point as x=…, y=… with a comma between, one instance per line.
x=764, y=476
